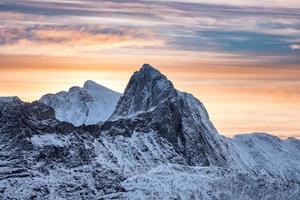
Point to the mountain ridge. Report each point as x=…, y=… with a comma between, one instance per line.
x=158, y=144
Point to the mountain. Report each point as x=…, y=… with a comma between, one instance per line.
x=88, y=105
x=178, y=117
x=158, y=143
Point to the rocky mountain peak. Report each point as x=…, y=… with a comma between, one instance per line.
x=179, y=117
x=147, y=88
x=92, y=85
x=148, y=70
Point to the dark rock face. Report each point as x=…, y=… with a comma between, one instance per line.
x=176, y=116
x=33, y=143
x=146, y=89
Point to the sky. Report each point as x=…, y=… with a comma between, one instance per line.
x=240, y=58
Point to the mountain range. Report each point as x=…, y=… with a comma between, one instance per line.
x=151, y=142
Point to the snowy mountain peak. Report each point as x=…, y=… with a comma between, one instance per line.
x=92, y=85
x=88, y=105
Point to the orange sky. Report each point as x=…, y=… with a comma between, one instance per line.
x=238, y=99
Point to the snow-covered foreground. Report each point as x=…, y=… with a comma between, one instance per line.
x=158, y=144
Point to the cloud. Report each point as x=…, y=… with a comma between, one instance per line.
x=239, y=27
x=244, y=3
x=72, y=40
x=295, y=46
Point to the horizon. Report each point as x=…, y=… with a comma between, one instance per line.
x=231, y=132
x=241, y=59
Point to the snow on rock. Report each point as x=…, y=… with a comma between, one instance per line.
x=88, y=105
x=4, y=100
x=146, y=89
x=170, y=181
x=48, y=140
x=266, y=154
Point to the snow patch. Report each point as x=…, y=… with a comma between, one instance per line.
x=49, y=140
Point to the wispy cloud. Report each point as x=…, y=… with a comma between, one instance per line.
x=71, y=40
x=246, y=29
x=295, y=46
x=240, y=27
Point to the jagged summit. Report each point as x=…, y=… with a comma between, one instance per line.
x=146, y=89
x=147, y=69
x=176, y=116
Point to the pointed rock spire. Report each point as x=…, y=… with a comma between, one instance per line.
x=147, y=88
x=151, y=101
x=148, y=70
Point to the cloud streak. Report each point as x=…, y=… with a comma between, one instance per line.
x=240, y=27
x=295, y=46
x=71, y=40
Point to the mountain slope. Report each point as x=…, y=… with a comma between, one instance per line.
x=48, y=159
x=87, y=105
x=204, y=183
x=266, y=154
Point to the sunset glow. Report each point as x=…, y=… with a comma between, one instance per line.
x=240, y=58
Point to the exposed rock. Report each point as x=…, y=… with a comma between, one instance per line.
x=178, y=117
